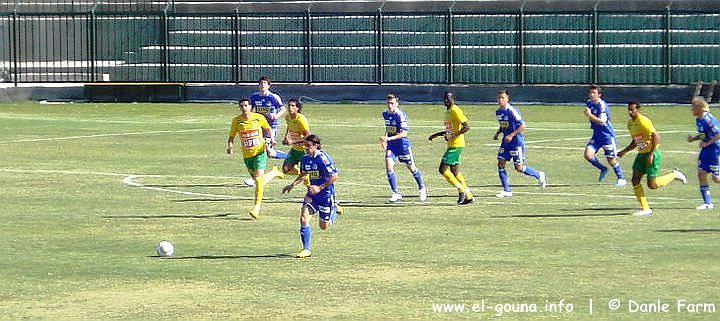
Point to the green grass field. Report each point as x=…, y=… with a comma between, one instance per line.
x=88, y=190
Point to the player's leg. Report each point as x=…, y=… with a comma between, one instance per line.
x=270, y=149
x=518, y=154
x=450, y=158
x=455, y=169
x=655, y=181
x=256, y=166
x=391, y=177
x=409, y=161
x=305, y=230
x=590, y=156
x=707, y=163
x=611, y=155
x=326, y=212
x=502, y=157
x=639, y=167
x=291, y=163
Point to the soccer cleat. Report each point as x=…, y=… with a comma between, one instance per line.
x=254, y=213
x=542, y=180
x=468, y=201
x=278, y=173
x=423, y=194
x=395, y=197
x=621, y=183
x=461, y=198
x=249, y=182
x=643, y=213
x=503, y=194
x=680, y=176
x=303, y=254
x=705, y=206
x=603, y=173
x=339, y=209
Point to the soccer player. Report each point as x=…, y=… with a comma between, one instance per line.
x=249, y=126
x=298, y=128
x=512, y=146
x=647, y=140
x=397, y=146
x=320, y=197
x=598, y=113
x=456, y=125
x=709, y=137
x=269, y=104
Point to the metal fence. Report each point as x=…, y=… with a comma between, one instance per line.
x=96, y=41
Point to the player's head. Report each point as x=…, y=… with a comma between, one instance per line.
x=245, y=106
x=699, y=106
x=594, y=93
x=449, y=99
x=264, y=83
x=312, y=143
x=392, y=101
x=503, y=97
x=633, y=109
x=294, y=106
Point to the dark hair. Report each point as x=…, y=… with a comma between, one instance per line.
x=449, y=96
x=265, y=78
x=391, y=96
x=593, y=87
x=297, y=103
x=244, y=99
x=315, y=139
x=503, y=91
x=633, y=102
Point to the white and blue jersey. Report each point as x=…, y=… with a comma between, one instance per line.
x=320, y=168
x=510, y=119
x=708, y=127
x=603, y=134
x=395, y=123
x=272, y=103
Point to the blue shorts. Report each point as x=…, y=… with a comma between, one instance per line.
x=323, y=204
x=607, y=144
x=401, y=153
x=708, y=161
x=516, y=153
x=268, y=143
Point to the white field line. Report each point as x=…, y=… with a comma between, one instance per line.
x=130, y=181
x=102, y=121
x=156, y=132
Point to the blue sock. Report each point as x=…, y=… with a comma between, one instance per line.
x=418, y=179
x=595, y=162
x=504, y=179
x=305, y=234
x=705, y=192
x=393, y=182
x=618, y=171
x=333, y=214
x=530, y=172
x=280, y=155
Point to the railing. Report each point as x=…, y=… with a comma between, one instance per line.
x=95, y=41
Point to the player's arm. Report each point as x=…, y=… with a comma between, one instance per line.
x=267, y=129
x=230, y=142
x=436, y=135
x=514, y=133
x=314, y=189
x=295, y=182
x=464, y=128
x=399, y=135
x=595, y=119
x=281, y=112
x=714, y=140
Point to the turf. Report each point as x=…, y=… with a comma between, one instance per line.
x=88, y=190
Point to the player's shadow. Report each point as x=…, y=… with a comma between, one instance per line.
x=554, y=215
x=229, y=257
x=225, y=216
x=699, y=230
x=385, y=204
x=195, y=185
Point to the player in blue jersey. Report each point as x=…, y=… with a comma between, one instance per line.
x=598, y=112
x=269, y=104
x=512, y=146
x=320, y=197
x=709, y=137
x=397, y=146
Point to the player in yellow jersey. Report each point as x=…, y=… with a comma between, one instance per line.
x=298, y=128
x=456, y=125
x=647, y=140
x=250, y=127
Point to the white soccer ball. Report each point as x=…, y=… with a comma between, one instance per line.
x=165, y=249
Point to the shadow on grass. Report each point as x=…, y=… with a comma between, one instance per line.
x=196, y=185
x=562, y=215
x=226, y=257
x=699, y=230
x=229, y=216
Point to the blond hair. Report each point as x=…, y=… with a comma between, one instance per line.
x=699, y=102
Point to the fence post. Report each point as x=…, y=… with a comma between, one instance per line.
x=521, y=46
x=92, y=27
x=449, y=45
x=379, y=47
x=594, y=47
x=668, y=47
x=308, y=48
x=166, y=49
x=236, y=46
x=14, y=71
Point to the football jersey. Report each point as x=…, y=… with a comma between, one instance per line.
x=454, y=117
x=510, y=119
x=641, y=130
x=708, y=127
x=296, y=128
x=598, y=109
x=251, y=133
x=319, y=167
x=395, y=123
x=272, y=103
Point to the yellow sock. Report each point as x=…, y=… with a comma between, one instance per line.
x=640, y=194
x=461, y=179
x=294, y=171
x=269, y=175
x=452, y=180
x=665, y=179
x=306, y=181
x=259, y=188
